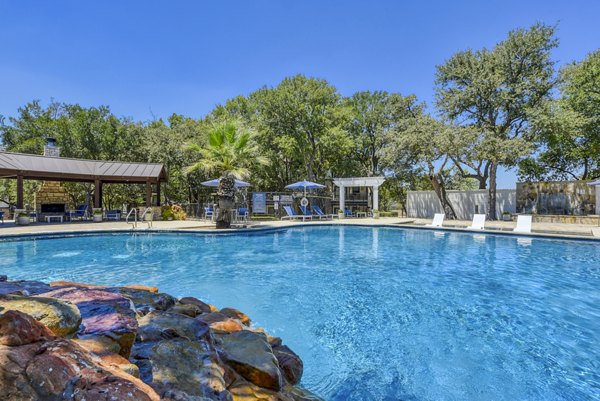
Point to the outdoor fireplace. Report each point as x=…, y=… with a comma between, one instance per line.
x=52, y=198
x=53, y=208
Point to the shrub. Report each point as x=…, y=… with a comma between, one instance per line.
x=174, y=212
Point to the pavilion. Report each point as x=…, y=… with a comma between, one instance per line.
x=22, y=166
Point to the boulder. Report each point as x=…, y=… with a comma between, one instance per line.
x=157, y=326
x=103, y=314
x=145, y=301
x=18, y=328
x=220, y=322
x=63, y=283
x=186, y=366
x=206, y=308
x=190, y=310
x=51, y=368
x=23, y=287
x=236, y=314
x=250, y=354
x=61, y=317
x=241, y=390
x=290, y=364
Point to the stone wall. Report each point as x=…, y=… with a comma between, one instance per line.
x=52, y=192
x=575, y=198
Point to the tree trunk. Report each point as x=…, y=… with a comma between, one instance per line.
x=492, y=192
x=482, y=182
x=437, y=183
x=226, y=195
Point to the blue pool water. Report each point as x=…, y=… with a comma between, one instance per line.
x=376, y=313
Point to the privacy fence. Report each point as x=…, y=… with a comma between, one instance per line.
x=424, y=204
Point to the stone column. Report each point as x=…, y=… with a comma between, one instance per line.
x=342, y=199
x=375, y=197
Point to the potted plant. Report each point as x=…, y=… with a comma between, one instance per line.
x=23, y=218
x=340, y=214
x=506, y=216
x=97, y=215
x=375, y=213
x=148, y=215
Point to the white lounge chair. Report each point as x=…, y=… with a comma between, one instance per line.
x=438, y=220
x=523, y=224
x=478, y=222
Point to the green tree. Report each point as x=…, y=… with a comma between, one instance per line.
x=497, y=92
x=422, y=143
x=230, y=152
x=301, y=124
x=373, y=116
x=568, y=133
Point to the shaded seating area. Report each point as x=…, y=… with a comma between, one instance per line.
x=21, y=167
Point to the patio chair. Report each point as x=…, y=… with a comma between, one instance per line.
x=305, y=212
x=33, y=216
x=243, y=214
x=2, y=217
x=319, y=213
x=438, y=220
x=291, y=214
x=348, y=213
x=209, y=213
x=113, y=215
x=523, y=224
x=80, y=213
x=478, y=222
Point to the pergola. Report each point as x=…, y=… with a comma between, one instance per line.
x=373, y=182
x=22, y=166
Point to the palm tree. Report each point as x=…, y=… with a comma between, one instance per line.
x=230, y=152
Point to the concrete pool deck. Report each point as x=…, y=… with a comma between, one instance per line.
x=9, y=229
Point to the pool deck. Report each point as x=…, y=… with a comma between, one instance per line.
x=9, y=229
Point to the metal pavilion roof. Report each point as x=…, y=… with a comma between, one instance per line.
x=65, y=169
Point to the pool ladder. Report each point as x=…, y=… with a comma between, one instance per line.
x=134, y=211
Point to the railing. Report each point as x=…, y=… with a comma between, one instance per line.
x=134, y=224
x=149, y=208
x=134, y=212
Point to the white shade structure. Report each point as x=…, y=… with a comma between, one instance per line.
x=373, y=182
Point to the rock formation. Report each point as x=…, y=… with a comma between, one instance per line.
x=73, y=341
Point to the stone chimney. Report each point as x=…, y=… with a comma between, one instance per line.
x=51, y=149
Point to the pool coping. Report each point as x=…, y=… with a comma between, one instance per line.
x=270, y=228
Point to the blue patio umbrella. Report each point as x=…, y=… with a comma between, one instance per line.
x=215, y=183
x=305, y=185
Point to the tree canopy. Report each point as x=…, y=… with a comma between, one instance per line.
x=494, y=107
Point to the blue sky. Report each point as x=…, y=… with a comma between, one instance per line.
x=148, y=59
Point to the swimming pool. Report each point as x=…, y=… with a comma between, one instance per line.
x=376, y=313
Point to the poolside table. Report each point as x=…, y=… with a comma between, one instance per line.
x=54, y=217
